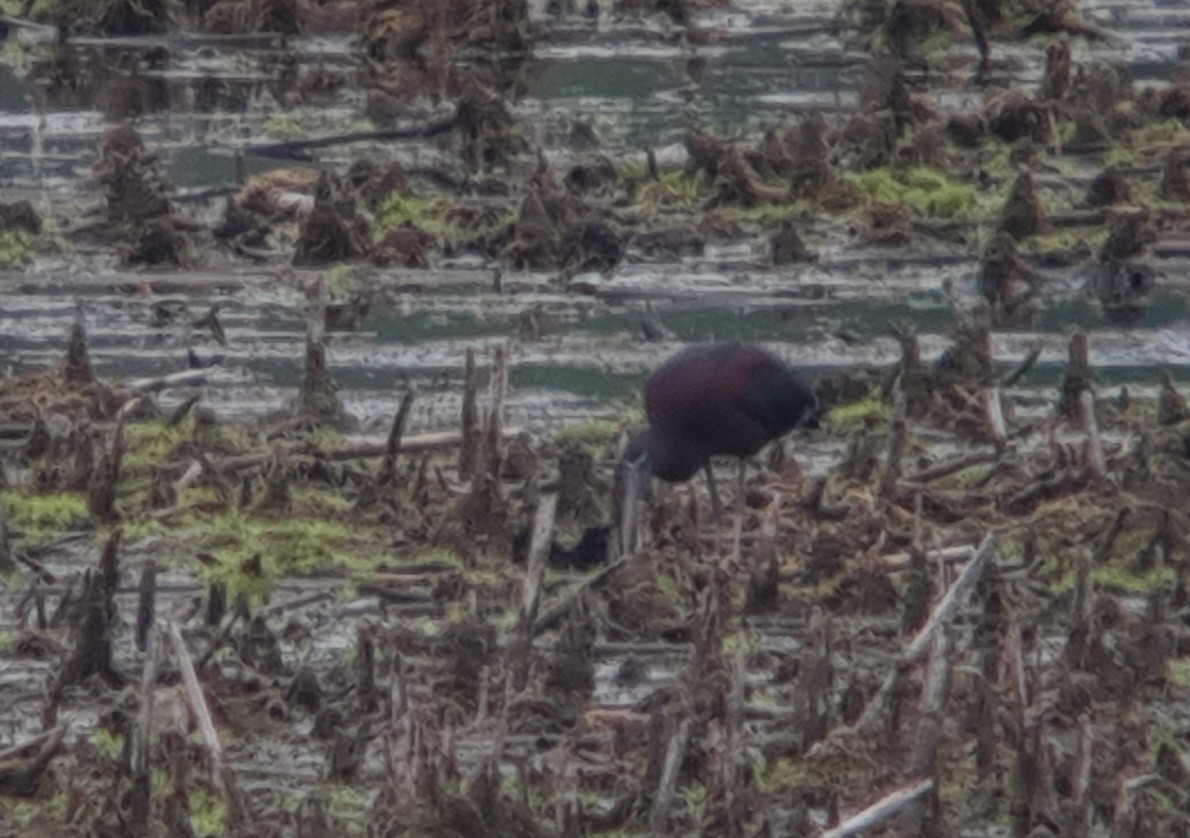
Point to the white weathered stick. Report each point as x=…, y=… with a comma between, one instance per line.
x=950, y=467
x=521, y=648
x=539, y=550
x=994, y=413
x=953, y=598
x=148, y=681
x=669, y=778
x=198, y=704
x=1086, y=401
x=947, y=555
x=185, y=378
x=879, y=811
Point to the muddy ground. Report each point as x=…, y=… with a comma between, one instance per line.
x=322, y=324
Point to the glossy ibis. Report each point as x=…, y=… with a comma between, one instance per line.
x=726, y=399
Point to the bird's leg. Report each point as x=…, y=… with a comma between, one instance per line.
x=740, y=488
x=716, y=506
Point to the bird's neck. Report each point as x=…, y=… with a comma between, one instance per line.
x=672, y=461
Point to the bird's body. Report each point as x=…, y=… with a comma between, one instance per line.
x=724, y=399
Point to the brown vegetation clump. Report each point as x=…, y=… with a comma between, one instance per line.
x=1175, y=175
x=139, y=212
x=1022, y=215
x=109, y=17
x=230, y=17
x=19, y=215
x=335, y=230
x=1015, y=116
x=1109, y=187
x=487, y=134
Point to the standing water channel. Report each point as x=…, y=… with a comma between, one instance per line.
x=386, y=606
x=634, y=87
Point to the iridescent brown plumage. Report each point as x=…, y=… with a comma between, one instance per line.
x=726, y=399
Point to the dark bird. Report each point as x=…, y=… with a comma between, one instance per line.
x=725, y=399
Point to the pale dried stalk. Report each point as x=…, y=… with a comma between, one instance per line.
x=947, y=555
x=879, y=811
x=539, y=550
x=1096, y=458
x=943, y=612
x=1081, y=778
x=185, y=378
x=198, y=703
x=993, y=411
x=669, y=778
x=953, y=598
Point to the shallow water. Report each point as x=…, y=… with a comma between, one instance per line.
x=635, y=84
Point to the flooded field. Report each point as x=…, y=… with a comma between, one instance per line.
x=321, y=328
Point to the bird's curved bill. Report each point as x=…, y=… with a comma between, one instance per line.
x=632, y=485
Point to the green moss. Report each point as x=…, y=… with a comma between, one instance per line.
x=782, y=773
x=1120, y=579
x=325, y=439
x=153, y=443
x=348, y=802
x=135, y=530
x=1164, y=131
x=593, y=432
x=1179, y=672
x=425, y=213
x=872, y=407
x=8, y=642
x=16, y=248
x=284, y=126
x=109, y=744
x=1063, y=240
x=287, y=546
x=437, y=554
x=673, y=189
x=157, y=442
x=41, y=517
x=767, y=214
x=311, y=502
x=208, y=814
x=926, y=191
x=1119, y=155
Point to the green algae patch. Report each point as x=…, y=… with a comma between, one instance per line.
x=1064, y=240
x=111, y=745
x=141, y=528
x=593, y=432
x=41, y=517
x=871, y=408
x=16, y=248
x=767, y=214
x=348, y=803
x=208, y=814
x=436, y=216
x=926, y=191
x=285, y=127
x=1122, y=580
x=154, y=443
x=672, y=189
x=157, y=442
x=311, y=502
x=248, y=552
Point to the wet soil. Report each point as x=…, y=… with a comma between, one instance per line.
x=381, y=641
